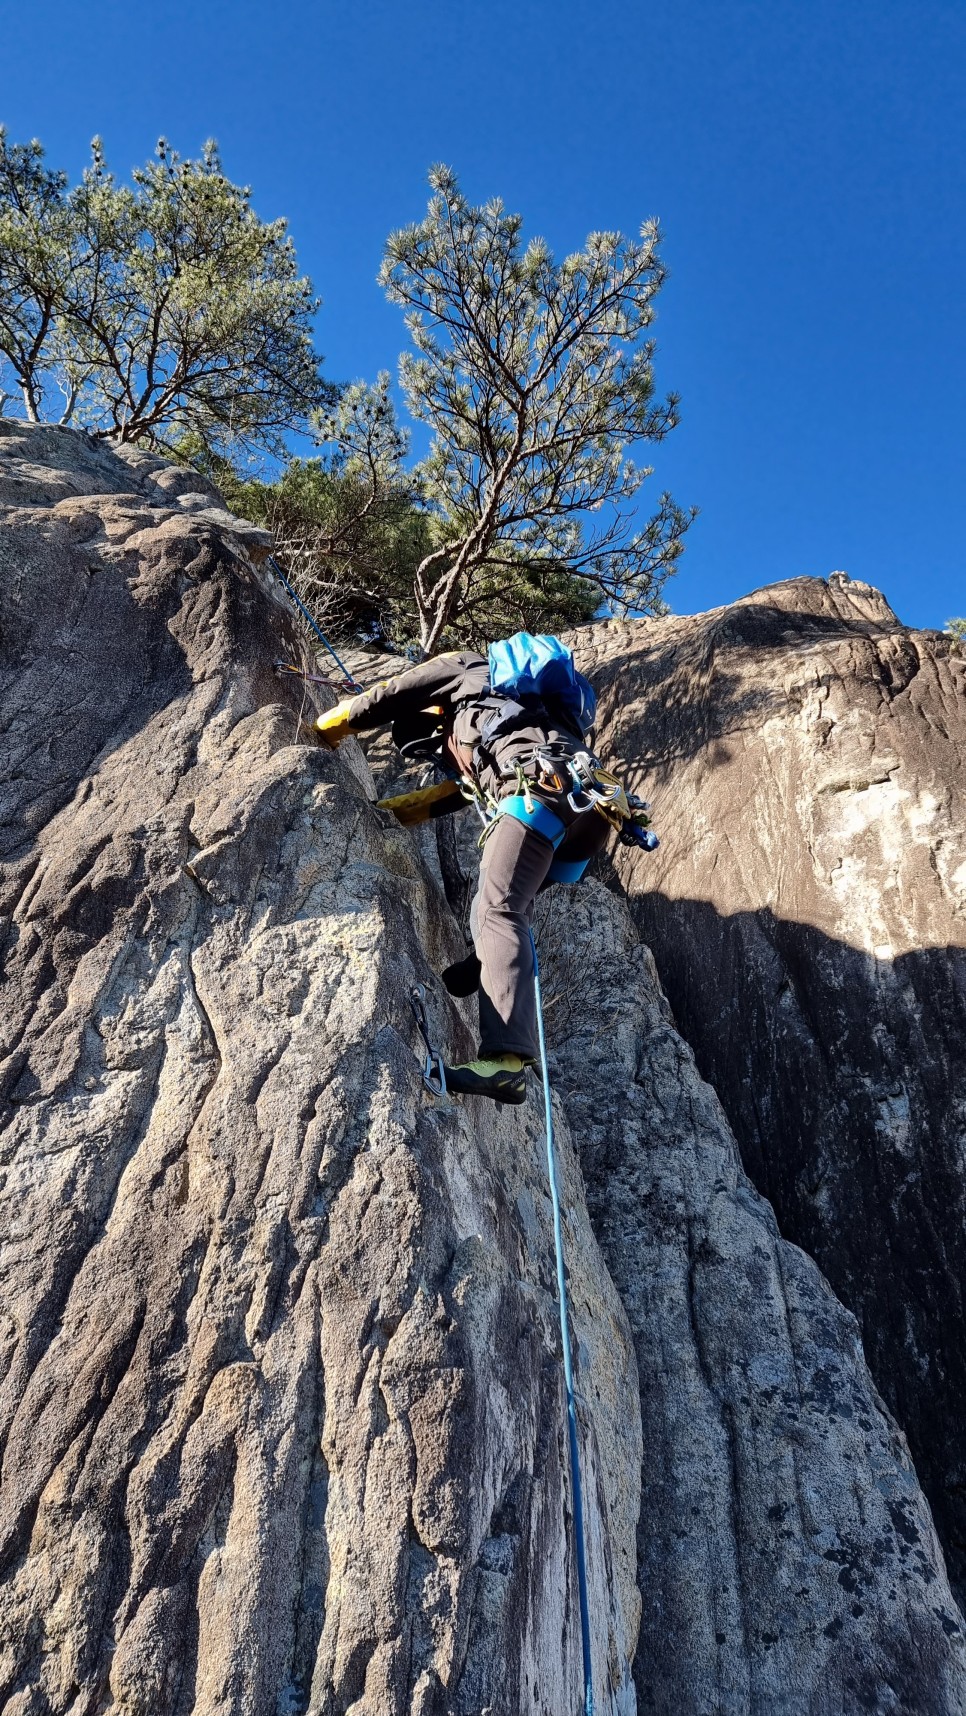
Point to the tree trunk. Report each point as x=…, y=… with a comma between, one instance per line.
x=30, y=400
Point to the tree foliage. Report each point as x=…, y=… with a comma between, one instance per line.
x=165, y=311
x=351, y=529
x=347, y=525
x=957, y=629
x=536, y=380
x=153, y=310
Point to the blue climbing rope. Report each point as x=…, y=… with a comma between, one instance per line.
x=567, y=1360
x=350, y=683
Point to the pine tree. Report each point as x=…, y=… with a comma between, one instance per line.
x=535, y=378
x=161, y=308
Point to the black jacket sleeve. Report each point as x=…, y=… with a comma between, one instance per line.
x=444, y=679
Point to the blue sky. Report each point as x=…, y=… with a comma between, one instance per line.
x=806, y=161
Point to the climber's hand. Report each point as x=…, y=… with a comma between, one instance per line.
x=333, y=726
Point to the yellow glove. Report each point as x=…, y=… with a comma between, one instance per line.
x=333, y=726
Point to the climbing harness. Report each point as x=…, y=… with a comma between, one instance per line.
x=434, y=1072
x=576, y=1486
x=592, y=789
x=349, y=683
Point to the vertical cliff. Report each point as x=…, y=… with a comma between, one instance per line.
x=280, y=1400
x=787, y=1561
x=280, y=1408
x=807, y=910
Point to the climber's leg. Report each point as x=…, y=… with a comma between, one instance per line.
x=515, y=862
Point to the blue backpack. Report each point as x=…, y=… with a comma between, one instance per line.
x=539, y=670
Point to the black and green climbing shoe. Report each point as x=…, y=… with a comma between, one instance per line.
x=504, y=1079
x=463, y=978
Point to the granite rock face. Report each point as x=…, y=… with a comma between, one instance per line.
x=281, y=1422
x=280, y=1405
x=806, y=755
x=786, y=1557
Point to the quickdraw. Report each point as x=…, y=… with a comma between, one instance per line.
x=309, y=678
x=347, y=681
x=434, y=1072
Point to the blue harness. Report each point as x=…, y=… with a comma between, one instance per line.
x=536, y=815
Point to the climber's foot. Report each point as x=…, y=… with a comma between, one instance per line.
x=463, y=978
x=504, y=1079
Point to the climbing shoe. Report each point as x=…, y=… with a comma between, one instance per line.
x=504, y=1079
x=463, y=978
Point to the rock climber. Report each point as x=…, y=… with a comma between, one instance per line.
x=510, y=731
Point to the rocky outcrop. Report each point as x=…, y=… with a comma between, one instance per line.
x=782, y=1543
x=280, y=1408
x=280, y=1399
x=807, y=909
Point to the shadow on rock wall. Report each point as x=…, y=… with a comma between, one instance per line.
x=728, y=651
x=844, y=1078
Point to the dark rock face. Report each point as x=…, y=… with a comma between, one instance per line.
x=281, y=1424
x=807, y=758
x=782, y=1528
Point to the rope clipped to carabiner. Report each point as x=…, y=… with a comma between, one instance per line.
x=349, y=683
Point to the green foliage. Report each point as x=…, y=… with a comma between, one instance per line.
x=957, y=629
x=157, y=310
x=165, y=311
x=535, y=381
x=351, y=530
x=37, y=263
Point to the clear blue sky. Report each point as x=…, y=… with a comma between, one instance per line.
x=807, y=159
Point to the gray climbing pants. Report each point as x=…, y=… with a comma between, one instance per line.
x=515, y=864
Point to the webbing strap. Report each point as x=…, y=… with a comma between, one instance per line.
x=578, y=1498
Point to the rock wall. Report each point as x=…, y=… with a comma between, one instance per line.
x=280, y=1401
x=786, y=1557
x=807, y=758
x=280, y=1409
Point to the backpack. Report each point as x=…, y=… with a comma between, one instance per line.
x=531, y=671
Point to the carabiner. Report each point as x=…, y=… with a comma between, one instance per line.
x=579, y=809
x=434, y=1073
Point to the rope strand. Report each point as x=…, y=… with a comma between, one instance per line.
x=567, y=1359
x=350, y=683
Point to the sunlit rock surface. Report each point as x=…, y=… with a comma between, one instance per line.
x=806, y=755
x=280, y=1400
